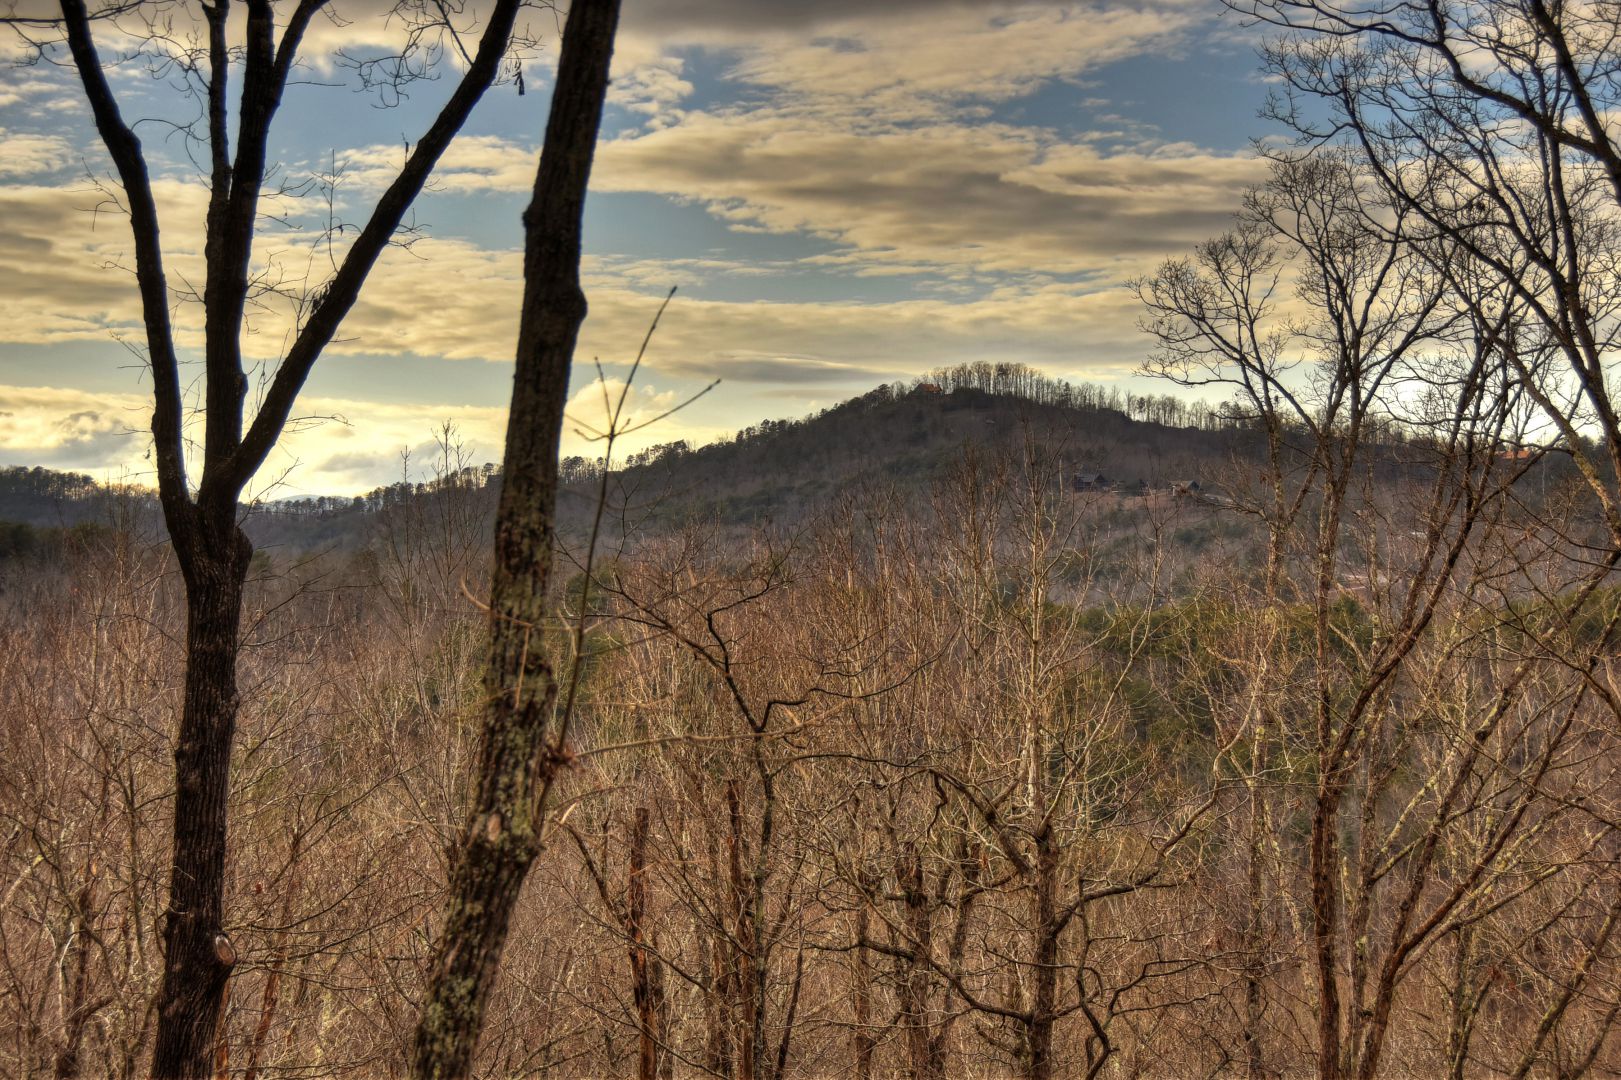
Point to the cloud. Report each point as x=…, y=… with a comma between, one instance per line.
x=937, y=198
x=877, y=68
x=653, y=86
x=407, y=308
x=453, y=299
x=474, y=163
x=67, y=266
x=363, y=463
x=970, y=205
x=163, y=32
x=791, y=370
x=54, y=254
x=951, y=197
x=23, y=154
x=71, y=428
x=710, y=19
x=849, y=125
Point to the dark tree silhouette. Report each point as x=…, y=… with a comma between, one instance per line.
x=202, y=520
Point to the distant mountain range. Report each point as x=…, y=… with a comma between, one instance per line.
x=904, y=436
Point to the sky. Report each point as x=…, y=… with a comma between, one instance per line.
x=842, y=192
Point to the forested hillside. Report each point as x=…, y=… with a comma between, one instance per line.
x=891, y=750
x=982, y=727
x=905, y=435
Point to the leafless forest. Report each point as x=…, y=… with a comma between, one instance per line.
x=1312, y=771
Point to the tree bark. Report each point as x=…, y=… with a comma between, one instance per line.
x=1255, y=929
x=923, y=1056
x=198, y=956
x=861, y=985
x=519, y=755
x=1044, y=992
x=741, y=933
x=77, y=1008
x=1324, y=923
x=719, y=1012
x=647, y=990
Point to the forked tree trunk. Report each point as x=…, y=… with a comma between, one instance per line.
x=202, y=522
x=520, y=752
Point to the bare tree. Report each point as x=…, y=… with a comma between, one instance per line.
x=1486, y=124
x=202, y=520
x=524, y=743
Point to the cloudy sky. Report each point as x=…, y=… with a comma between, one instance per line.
x=845, y=192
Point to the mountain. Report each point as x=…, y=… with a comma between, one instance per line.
x=907, y=437
x=901, y=435
x=898, y=440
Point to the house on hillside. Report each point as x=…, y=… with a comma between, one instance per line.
x=1186, y=489
x=1089, y=482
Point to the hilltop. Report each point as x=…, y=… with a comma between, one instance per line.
x=907, y=436
x=904, y=435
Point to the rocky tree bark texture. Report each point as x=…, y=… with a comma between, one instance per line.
x=522, y=745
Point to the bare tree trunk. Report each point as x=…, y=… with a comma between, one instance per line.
x=1038, y=1046
x=1254, y=927
x=222, y=1041
x=1257, y=924
x=741, y=933
x=519, y=757
x=77, y=1008
x=198, y=956
x=719, y=1011
x=861, y=988
x=922, y=1056
x=1325, y=864
x=270, y=998
x=1464, y=1002
x=666, y=1057
x=646, y=992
